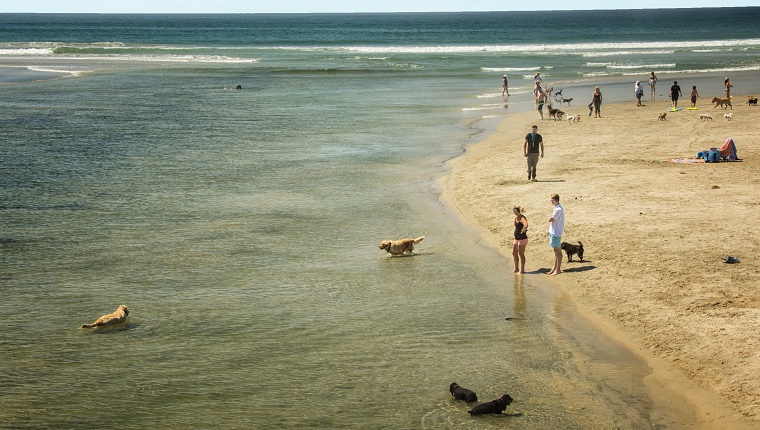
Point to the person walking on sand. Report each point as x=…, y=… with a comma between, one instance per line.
x=638, y=91
x=533, y=142
x=675, y=93
x=694, y=96
x=652, y=83
x=540, y=100
x=504, y=85
x=521, y=239
x=556, y=227
x=728, y=86
x=596, y=102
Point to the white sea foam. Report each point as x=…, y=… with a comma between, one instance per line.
x=484, y=107
x=4, y=52
x=509, y=69
x=642, y=66
x=579, y=48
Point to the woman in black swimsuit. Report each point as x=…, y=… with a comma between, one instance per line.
x=596, y=100
x=521, y=240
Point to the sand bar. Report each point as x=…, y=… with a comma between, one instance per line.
x=655, y=235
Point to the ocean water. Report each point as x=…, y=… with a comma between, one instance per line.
x=240, y=227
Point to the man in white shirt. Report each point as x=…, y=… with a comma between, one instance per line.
x=556, y=227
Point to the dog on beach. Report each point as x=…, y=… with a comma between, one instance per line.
x=752, y=101
x=117, y=317
x=566, y=101
x=722, y=102
x=571, y=250
x=461, y=393
x=705, y=117
x=661, y=116
x=573, y=118
x=493, y=407
x=555, y=113
x=401, y=246
x=729, y=116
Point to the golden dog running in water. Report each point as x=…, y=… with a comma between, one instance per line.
x=401, y=246
x=117, y=317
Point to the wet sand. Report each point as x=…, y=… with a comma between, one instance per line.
x=655, y=234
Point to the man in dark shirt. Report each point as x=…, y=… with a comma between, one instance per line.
x=533, y=143
x=675, y=93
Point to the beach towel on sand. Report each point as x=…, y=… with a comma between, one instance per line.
x=728, y=150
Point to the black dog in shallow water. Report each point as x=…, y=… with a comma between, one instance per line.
x=461, y=393
x=493, y=407
x=571, y=250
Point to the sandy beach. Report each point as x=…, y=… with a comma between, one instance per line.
x=655, y=235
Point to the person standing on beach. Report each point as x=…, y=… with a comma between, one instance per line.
x=556, y=227
x=638, y=91
x=694, y=96
x=521, y=239
x=537, y=79
x=540, y=100
x=596, y=102
x=504, y=85
x=533, y=142
x=675, y=93
x=728, y=86
x=652, y=83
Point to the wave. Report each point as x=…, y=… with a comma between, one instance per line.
x=581, y=48
x=509, y=69
x=642, y=66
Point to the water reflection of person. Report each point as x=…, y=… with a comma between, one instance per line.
x=521, y=302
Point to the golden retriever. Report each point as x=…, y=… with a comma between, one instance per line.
x=401, y=246
x=722, y=102
x=117, y=317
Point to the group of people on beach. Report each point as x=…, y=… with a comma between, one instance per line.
x=675, y=91
x=533, y=149
x=556, y=228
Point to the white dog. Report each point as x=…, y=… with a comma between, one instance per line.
x=729, y=116
x=573, y=118
x=705, y=117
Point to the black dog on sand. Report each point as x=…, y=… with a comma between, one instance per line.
x=571, y=250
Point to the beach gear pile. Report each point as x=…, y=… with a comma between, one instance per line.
x=727, y=152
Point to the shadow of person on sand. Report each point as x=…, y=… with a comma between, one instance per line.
x=579, y=269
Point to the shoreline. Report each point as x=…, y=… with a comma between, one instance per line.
x=628, y=145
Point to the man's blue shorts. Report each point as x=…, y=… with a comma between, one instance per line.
x=554, y=241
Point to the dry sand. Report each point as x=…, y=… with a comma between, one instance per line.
x=655, y=235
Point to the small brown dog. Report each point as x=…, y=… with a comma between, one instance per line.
x=752, y=101
x=661, y=116
x=722, y=102
x=571, y=250
x=117, y=317
x=401, y=246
